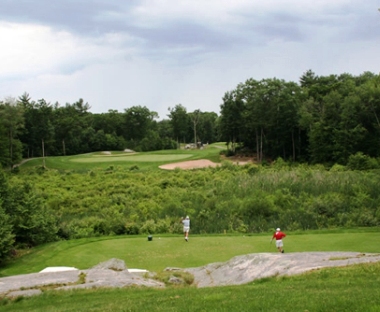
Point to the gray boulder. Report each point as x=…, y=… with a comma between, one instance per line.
x=247, y=268
x=112, y=273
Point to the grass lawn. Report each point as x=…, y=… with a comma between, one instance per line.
x=173, y=251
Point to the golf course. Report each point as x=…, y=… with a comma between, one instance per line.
x=104, y=205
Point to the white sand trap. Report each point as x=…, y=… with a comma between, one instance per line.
x=190, y=164
x=58, y=269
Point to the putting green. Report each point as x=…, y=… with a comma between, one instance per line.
x=131, y=158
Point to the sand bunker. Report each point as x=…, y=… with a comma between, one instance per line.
x=191, y=164
x=201, y=163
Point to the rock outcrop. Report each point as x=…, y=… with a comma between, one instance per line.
x=239, y=270
x=247, y=268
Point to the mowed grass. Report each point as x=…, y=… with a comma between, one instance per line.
x=173, y=251
x=143, y=160
x=352, y=288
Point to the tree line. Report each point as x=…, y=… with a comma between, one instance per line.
x=320, y=119
x=37, y=129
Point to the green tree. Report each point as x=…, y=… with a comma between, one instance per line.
x=12, y=120
x=6, y=235
x=270, y=117
x=369, y=93
x=231, y=122
x=137, y=122
x=69, y=122
x=32, y=223
x=6, y=229
x=180, y=122
x=207, y=127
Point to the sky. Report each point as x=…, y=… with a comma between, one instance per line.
x=115, y=54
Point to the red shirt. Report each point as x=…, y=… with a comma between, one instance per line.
x=279, y=235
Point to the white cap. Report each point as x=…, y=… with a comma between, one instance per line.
x=187, y=217
x=278, y=230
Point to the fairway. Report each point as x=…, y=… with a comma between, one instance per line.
x=144, y=160
x=131, y=158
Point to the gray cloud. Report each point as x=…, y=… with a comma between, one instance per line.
x=76, y=16
x=189, y=52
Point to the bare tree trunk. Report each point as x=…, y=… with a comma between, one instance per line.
x=64, y=147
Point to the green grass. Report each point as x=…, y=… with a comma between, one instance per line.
x=144, y=160
x=173, y=251
x=352, y=288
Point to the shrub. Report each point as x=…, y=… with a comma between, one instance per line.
x=279, y=163
x=149, y=227
x=132, y=228
x=6, y=236
x=359, y=161
x=337, y=168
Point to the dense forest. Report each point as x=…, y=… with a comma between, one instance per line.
x=321, y=137
x=320, y=119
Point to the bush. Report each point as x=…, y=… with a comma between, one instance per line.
x=132, y=228
x=149, y=227
x=359, y=161
x=279, y=163
x=6, y=235
x=337, y=168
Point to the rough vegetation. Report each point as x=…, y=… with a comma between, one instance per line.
x=235, y=199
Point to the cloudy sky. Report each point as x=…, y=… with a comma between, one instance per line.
x=159, y=53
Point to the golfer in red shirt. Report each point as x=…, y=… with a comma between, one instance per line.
x=279, y=236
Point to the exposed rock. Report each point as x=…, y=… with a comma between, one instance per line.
x=112, y=264
x=112, y=273
x=96, y=278
x=25, y=281
x=239, y=270
x=247, y=268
